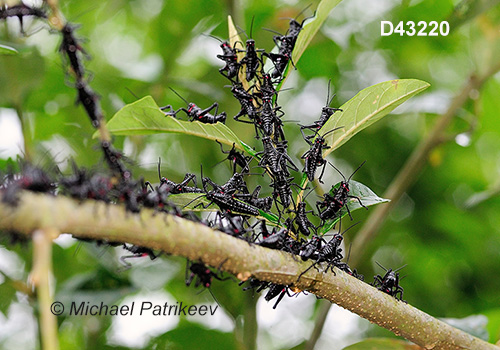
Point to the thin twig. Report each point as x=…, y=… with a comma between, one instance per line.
x=40, y=278
x=323, y=309
x=177, y=236
x=250, y=325
x=413, y=166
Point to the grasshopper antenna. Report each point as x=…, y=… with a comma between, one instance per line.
x=350, y=177
x=328, y=93
x=213, y=36
x=304, y=10
x=347, y=228
x=301, y=12
x=213, y=296
x=272, y=31
x=159, y=168
x=328, y=100
x=132, y=93
x=175, y=92
x=334, y=167
x=349, y=253
x=251, y=26
x=381, y=266
x=241, y=31
x=400, y=269
x=328, y=132
x=308, y=193
x=193, y=201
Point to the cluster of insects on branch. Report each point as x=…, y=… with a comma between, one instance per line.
x=240, y=212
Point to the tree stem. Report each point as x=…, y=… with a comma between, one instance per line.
x=323, y=309
x=250, y=326
x=174, y=235
x=40, y=278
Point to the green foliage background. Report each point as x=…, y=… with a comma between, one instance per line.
x=452, y=250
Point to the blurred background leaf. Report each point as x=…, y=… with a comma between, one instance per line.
x=7, y=50
x=382, y=344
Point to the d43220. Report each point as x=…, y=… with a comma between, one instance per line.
x=409, y=28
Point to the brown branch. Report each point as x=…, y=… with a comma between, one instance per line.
x=174, y=235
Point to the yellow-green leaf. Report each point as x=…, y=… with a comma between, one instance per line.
x=144, y=117
x=367, y=107
x=234, y=39
x=382, y=344
x=192, y=202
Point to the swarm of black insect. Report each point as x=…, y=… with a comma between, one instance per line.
x=275, y=222
x=20, y=11
x=31, y=178
x=295, y=232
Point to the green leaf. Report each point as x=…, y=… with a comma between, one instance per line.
x=310, y=29
x=21, y=76
x=493, y=326
x=357, y=189
x=250, y=150
x=382, y=344
x=367, y=196
x=7, y=50
x=273, y=218
x=144, y=117
x=93, y=287
x=191, y=336
x=7, y=296
x=9, y=164
x=303, y=181
x=367, y=107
